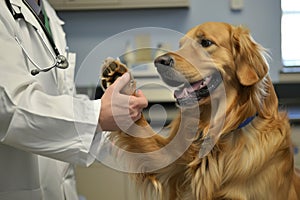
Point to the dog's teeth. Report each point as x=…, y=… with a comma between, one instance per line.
x=189, y=89
x=207, y=80
x=185, y=91
x=203, y=83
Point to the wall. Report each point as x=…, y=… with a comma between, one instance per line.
x=86, y=29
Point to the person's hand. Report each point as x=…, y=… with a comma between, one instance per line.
x=119, y=111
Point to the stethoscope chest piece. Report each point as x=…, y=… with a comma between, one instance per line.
x=62, y=62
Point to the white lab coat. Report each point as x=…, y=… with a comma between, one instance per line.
x=42, y=127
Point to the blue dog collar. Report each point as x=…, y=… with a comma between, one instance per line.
x=247, y=121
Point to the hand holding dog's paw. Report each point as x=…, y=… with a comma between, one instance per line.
x=121, y=106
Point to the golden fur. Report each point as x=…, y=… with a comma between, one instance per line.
x=254, y=162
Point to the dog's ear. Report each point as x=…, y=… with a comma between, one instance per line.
x=251, y=65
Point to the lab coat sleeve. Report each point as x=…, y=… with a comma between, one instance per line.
x=61, y=127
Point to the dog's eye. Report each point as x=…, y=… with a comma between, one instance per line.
x=206, y=43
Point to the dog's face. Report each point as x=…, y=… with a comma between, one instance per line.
x=211, y=54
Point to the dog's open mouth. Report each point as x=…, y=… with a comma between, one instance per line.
x=191, y=93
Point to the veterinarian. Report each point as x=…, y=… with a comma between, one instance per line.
x=45, y=128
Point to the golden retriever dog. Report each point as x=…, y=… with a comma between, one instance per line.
x=229, y=140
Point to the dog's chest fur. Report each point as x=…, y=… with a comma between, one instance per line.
x=237, y=164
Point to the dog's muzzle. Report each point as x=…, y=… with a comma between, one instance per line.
x=187, y=94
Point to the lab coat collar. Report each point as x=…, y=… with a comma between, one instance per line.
x=28, y=15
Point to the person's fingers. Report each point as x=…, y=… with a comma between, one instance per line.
x=138, y=103
x=143, y=102
x=121, y=82
x=136, y=117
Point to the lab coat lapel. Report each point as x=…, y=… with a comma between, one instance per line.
x=30, y=18
x=65, y=77
x=57, y=32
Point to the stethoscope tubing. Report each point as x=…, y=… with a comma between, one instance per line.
x=29, y=57
x=59, y=60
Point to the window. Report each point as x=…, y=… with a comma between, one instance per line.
x=290, y=33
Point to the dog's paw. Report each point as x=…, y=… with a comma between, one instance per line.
x=111, y=70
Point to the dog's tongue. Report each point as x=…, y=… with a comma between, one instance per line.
x=188, y=90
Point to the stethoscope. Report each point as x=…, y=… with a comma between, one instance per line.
x=59, y=60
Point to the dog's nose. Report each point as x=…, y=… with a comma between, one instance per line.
x=164, y=60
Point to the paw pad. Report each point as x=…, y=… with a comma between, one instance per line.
x=111, y=70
